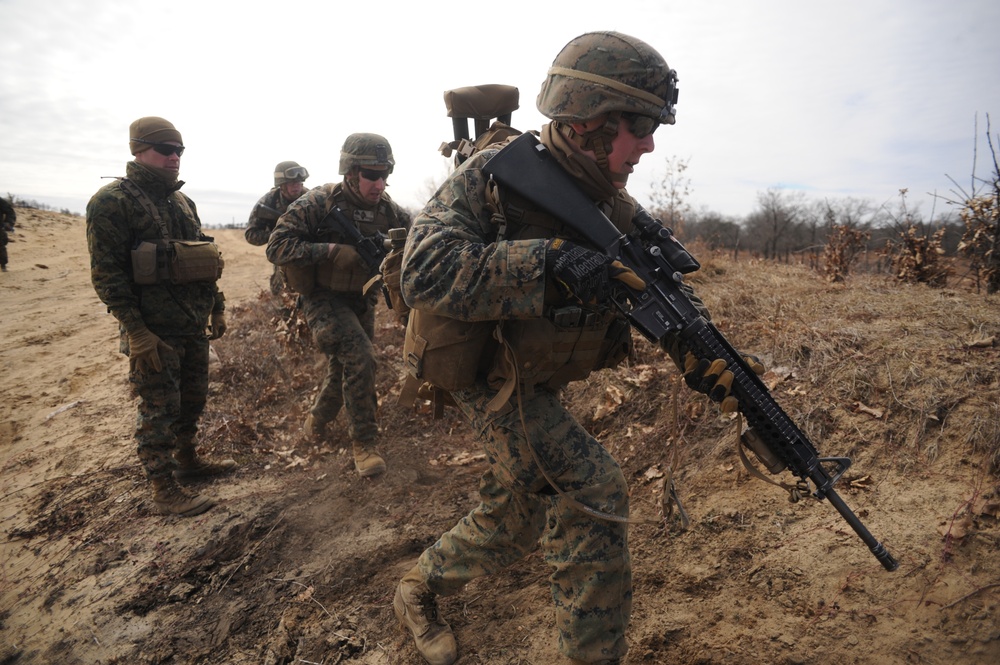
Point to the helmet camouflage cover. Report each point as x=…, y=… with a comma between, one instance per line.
x=365, y=150
x=289, y=172
x=601, y=72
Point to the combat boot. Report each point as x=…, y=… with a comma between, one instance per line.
x=367, y=461
x=172, y=499
x=314, y=429
x=192, y=467
x=416, y=608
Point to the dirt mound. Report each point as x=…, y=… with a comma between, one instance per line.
x=299, y=561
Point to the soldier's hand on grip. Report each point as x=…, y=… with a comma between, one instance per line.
x=712, y=378
x=582, y=274
x=144, y=350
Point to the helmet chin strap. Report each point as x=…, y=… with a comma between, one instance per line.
x=598, y=141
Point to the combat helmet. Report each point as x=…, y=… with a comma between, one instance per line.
x=608, y=74
x=365, y=150
x=603, y=72
x=289, y=172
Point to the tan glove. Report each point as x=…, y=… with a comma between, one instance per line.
x=144, y=350
x=217, y=327
x=626, y=275
x=712, y=378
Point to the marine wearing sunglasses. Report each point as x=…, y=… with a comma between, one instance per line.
x=165, y=149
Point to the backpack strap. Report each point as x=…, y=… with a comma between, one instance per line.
x=147, y=204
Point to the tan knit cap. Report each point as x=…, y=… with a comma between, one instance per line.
x=153, y=129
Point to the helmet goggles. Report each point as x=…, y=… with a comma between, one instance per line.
x=293, y=173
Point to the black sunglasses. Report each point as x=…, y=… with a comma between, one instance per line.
x=164, y=149
x=373, y=174
x=641, y=126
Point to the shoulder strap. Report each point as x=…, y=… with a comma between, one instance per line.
x=147, y=204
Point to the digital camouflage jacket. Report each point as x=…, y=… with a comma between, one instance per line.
x=116, y=223
x=264, y=215
x=302, y=235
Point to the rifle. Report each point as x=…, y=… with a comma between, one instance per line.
x=370, y=249
x=274, y=212
x=662, y=308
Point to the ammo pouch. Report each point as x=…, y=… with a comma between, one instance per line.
x=345, y=271
x=443, y=351
x=301, y=279
x=176, y=262
x=565, y=345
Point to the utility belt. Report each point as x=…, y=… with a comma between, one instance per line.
x=176, y=262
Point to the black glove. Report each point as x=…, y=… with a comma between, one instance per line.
x=584, y=275
x=712, y=378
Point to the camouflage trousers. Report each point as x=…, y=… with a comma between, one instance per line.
x=343, y=328
x=170, y=402
x=591, y=579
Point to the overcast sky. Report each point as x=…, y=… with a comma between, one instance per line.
x=858, y=98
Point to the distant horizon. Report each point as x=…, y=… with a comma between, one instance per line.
x=857, y=99
x=213, y=205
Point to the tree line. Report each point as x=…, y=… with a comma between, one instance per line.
x=840, y=235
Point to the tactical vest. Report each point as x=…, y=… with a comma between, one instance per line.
x=169, y=260
x=344, y=271
x=565, y=344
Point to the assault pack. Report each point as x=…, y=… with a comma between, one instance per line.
x=489, y=108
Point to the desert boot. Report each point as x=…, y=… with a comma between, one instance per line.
x=192, y=467
x=367, y=461
x=314, y=429
x=416, y=608
x=172, y=499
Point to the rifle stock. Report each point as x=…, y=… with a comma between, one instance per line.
x=662, y=307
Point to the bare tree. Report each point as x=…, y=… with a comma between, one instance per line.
x=777, y=213
x=980, y=212
x=669, y=201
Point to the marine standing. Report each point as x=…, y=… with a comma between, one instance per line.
x=157, y=272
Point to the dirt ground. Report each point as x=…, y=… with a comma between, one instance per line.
x=298, y=562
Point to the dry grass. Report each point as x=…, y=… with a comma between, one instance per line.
x=868, y=368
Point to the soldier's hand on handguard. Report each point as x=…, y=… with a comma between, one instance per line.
x=584, y=275
x=144, y=350
x=713, y=379
x=217, y=326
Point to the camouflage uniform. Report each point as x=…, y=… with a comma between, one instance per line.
x=263, y=217
x=171, y=401
x=8, y=217
x=454, y=266
x=341, y=323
